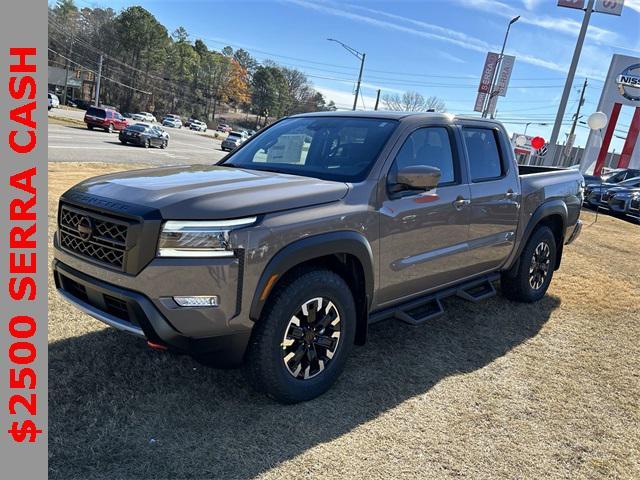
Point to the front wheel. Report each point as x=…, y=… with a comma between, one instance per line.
x=302, y=341
x=110, y=128
x=529, y=281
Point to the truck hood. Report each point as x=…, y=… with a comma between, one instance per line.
x=206, y=192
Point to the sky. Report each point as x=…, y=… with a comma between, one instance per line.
x=435, y=47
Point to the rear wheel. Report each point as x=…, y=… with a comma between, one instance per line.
x=90, y=127
x=300, y=345
x=529, y=281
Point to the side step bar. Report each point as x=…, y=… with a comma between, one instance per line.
x=421, y=310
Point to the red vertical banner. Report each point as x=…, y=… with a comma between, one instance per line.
x=606, y=141
x=631, y=141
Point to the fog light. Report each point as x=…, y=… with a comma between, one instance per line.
x=200, y=301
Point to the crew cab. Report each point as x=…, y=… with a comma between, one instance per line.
x=280, y=256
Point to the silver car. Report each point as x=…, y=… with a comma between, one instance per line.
x=234, y=140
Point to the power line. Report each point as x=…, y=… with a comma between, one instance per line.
x=95, y=73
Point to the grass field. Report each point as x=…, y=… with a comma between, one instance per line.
x=489, y=390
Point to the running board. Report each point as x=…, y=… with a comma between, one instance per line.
x=420, y=313
x=421, y=310
x=477, y=293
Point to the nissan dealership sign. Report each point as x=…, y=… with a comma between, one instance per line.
x=621, y=89
x=629, y=83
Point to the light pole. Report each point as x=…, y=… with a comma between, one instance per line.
x=359, y=56
x=569, y=82
x=492, y=93
x=526, y=125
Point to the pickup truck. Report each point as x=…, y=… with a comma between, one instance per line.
x=281, y=255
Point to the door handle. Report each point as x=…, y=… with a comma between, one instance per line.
x=510, y=194
x=459, y=203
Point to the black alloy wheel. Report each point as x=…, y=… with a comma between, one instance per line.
x=540, y=264
x=311, y=338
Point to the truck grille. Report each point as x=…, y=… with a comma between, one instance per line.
x=94, y=236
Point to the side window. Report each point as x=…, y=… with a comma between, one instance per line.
x=429, y=146
x=484, y=154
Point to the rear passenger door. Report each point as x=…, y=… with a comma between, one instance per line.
x=424, y=235
x=495, y=197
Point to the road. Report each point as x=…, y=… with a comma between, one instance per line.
x=70, y=143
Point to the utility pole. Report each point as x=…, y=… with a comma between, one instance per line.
x=97, y=100
x=575, y=118
x=496, y=73
x=359, y=56
x=66, y=74
x=569, y=82
x=377, y=100
x=355, y=100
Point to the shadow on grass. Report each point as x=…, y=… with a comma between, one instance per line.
x=120, y=410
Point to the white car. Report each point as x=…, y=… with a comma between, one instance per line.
x=144, y=117
x=172, y=121
x=54, y=101
x=198, y=125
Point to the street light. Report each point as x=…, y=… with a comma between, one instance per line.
x=526, y=125
x=359, y=56
x=493, y=93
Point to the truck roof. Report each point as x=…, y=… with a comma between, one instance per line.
x=391, y=115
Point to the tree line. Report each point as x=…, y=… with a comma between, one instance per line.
x=147, y=69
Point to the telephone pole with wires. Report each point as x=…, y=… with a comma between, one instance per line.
x=66, y=70
x=572, y=132
x=97, y=100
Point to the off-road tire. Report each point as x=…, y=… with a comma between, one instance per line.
x=265, y=366
x=516, y=284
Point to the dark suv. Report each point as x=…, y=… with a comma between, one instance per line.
x=105, y=118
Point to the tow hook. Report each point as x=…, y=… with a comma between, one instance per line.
x=156, y=346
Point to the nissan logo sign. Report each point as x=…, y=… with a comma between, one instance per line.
x=629, y=83
x=85, y=228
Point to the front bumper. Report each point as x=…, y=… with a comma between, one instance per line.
x=619, y=205
x=142, y=304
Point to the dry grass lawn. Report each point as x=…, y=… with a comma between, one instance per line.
x=490, y=390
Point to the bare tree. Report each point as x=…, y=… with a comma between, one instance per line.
x=412, y=102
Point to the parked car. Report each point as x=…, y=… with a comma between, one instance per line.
x=281, y=255
x=252, y=133
x=613, y=176
x=619, y=200
x=597, y=195
x=223, y=127
x=105, y=118
x=172, y=121
x=54, y=101
x=144, y=135
x=234, y=140
x=198, y=125
x=144, y=117
x=634, y=206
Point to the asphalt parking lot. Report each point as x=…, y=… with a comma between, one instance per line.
x=74, y=143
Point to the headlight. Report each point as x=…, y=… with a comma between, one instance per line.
x=199, y=238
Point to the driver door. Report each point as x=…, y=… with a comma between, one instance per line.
x=424, y=234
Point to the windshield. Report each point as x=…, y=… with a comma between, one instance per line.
x=330, y=148
x=632, y=182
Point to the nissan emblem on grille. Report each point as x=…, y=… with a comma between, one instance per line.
x=85, y=228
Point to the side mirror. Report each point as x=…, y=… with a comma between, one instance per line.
x=418, y=177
